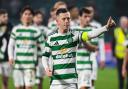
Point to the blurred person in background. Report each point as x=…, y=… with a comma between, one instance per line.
x=52, y=15
x=52, y=20
x=94, y=22
x=22, y=50
x=125, y=62
x=5, y=30
x=84, y=61
x=37, y=21
x=118, y=47
x=101, y=45
x=74, y=11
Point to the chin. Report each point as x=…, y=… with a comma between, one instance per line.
x=66, y=29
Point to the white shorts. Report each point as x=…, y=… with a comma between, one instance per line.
x=63, y=86
x=94, y=66
x=84, y=79
x=24, y=77
x=5, y=69
x=40, y=72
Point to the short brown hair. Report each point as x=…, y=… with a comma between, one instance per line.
x=38, y=12
x=3, y=11
x=57, y=4
x=61, y=10
x=27, y=8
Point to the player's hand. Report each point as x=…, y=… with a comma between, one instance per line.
x=48, y=72
x=124, y=72
x=102, y=64
x=110, y=23
x=11, y=61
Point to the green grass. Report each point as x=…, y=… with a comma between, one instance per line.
x=107, y=79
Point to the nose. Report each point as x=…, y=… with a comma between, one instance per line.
x=88, y=18
x=66, y=20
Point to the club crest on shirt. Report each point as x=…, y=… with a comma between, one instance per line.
x=63, y=50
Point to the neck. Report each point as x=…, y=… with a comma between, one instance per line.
x=38, y=24
x=83, y=25
x=26, y=24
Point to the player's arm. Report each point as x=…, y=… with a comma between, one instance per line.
x=46, y=53
x=125, y=61
x=92, y=34
x=90, y=47
x=3, y=48
x=101, y=45
x=11, y=47
x=40, y=40
x=40, y=44
x=45, y=59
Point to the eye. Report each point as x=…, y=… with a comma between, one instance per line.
x=63, y=19
x=68, y=18
x=85, y=16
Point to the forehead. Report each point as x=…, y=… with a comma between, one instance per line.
x=27, y=11
x=74, y=9
x=64, y=15
x=86, y=14
x=4, y=14
x=90, y=8
x=123, y=19
x=38, y=15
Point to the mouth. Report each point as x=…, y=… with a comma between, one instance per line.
x=67, y=25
